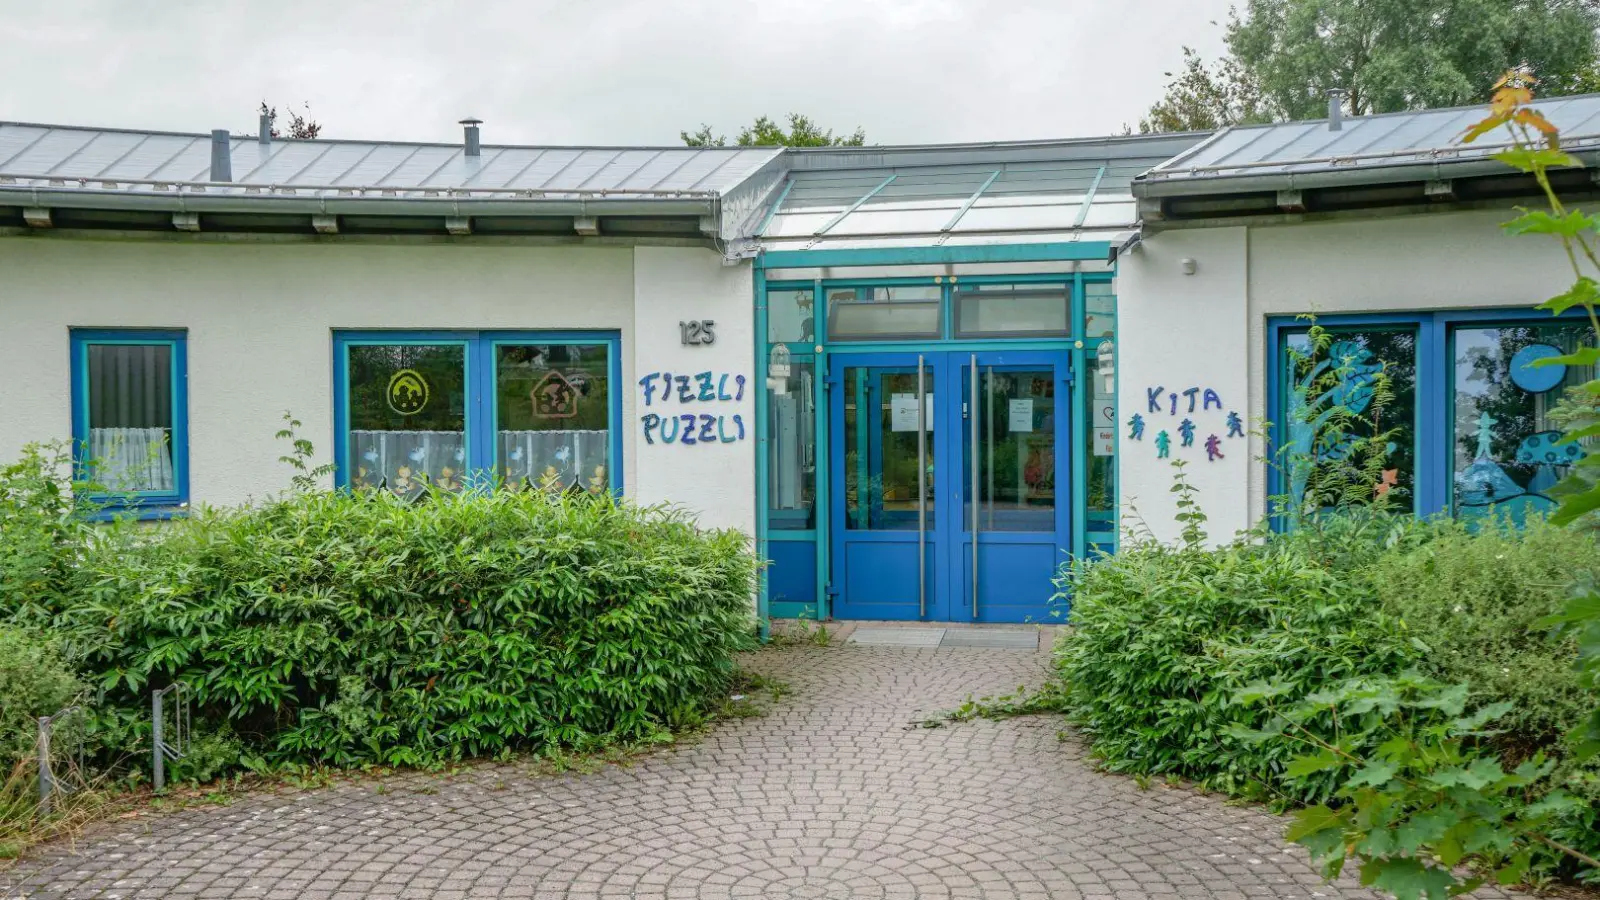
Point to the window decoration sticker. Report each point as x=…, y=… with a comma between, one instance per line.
x=1526, y=373
x=407, y=392
x=554, y=397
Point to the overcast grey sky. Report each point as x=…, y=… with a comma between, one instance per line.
x=600, y=71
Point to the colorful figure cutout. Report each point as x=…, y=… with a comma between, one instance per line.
x=1163, y=445
x=1186, y=431
x=1235, y=425
x=1136, y=428
x=1213, y=448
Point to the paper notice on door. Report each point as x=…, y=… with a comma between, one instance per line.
x=1021, y=415
x=903, y=412
x=1105, y=426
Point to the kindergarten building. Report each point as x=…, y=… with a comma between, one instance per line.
x=920, y=378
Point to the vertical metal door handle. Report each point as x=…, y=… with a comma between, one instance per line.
x=974, y=498
x=922, y=493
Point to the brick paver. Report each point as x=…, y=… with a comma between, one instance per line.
x=833, y=794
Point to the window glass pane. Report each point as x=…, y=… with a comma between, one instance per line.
x=1016, y=451
x=1505, y=457
x=885, y=312
x=789, y=317
x=1315, y=457
x=1101, y=434
x=1013, y=312
x=792, y=468
x=407, y=416
x=129, y=394
x=553, y=416
x=880, y=448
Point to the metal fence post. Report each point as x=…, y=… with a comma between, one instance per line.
x=160, y=768
x=44, y=766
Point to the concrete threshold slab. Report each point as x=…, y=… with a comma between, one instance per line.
x=1007, y=639
x=898, y=637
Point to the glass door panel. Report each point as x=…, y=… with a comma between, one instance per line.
x=1014, y=528
x=885, y=540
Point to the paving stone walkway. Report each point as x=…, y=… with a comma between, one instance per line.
x=830, y=795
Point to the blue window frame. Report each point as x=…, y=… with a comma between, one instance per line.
x=468, y=408
x=130, y=419
x=1453, y=365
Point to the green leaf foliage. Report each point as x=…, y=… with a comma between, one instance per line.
x=350, y=629
x=1390, y=673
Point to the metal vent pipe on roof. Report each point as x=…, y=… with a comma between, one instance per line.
x=221, y=155
x=265, y=135
x=1336, y=108
x=474, y=147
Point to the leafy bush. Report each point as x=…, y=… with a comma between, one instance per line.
x=1168, y=639
x=34, y=681
x=1475, y=597
x=351, y=629
x=1163, y=636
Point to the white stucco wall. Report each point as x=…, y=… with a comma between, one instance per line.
x=260, y=316
x=1211, y=326
x=716, y=481
x=1175, y=332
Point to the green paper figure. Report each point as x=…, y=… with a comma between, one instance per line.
x=1163, y=445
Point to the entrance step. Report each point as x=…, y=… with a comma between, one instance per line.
x=898, y=637
x=995, y=638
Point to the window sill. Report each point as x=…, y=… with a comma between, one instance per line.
x=154, y=511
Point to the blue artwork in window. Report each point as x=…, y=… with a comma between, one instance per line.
x=1345, y=378
x=1508, y=455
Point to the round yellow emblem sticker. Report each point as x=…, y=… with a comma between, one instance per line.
x=408, y=392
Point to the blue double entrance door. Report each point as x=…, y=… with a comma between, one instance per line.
x=950, y=477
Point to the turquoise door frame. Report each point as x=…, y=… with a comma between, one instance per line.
x=763, y=281
x=939, y=561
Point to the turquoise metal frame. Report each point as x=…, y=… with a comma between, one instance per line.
x=479, y=378
x=138, y=504
x=765, y=284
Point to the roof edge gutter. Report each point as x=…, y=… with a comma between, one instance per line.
x=1367, y=175
x=189, y=201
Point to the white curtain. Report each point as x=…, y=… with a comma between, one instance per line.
x=403, y=461
x=131, y=459
x=576, y=457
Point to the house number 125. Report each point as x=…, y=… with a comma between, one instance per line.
x=697, y=331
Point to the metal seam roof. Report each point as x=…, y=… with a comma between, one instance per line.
x=57, y=157
x=1376, y=148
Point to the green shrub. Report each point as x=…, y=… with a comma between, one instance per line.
x=351, y=629
x=34, y=681
x=1475, y=597
x=1167, y=639
x=1164, y=636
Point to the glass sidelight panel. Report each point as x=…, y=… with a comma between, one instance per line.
x=791, y=427
x=1016, y=448
x=553, y=415
x=881, y=449
x=407, y=407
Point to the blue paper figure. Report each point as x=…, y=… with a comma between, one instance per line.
x=1186, y=430
x=1235, y=425
x=1213, y=448
x=1136, y=424
x=1163, y=445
